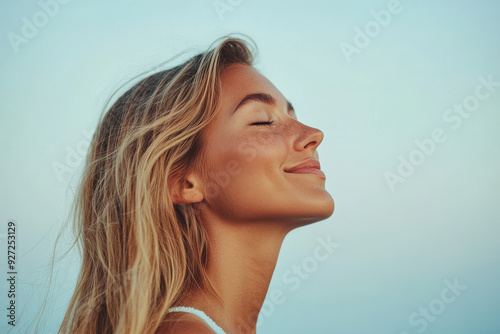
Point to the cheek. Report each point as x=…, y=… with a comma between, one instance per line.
x=240, y=161
x=262, y=150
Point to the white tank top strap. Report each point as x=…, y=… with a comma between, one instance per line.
x=200, y=314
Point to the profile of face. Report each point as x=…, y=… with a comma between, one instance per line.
x=263, y=162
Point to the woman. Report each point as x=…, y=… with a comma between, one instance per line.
x=193, y=179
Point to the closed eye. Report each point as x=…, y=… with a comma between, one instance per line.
x=263, y=123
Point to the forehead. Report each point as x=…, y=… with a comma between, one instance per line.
x=239, y=80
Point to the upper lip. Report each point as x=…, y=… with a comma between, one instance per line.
x=311, y=163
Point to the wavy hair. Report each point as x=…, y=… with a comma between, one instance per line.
x=141, y=252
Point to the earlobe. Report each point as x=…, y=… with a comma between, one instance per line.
x=188, y=191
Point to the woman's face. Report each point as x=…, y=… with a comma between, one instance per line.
x=253, y=147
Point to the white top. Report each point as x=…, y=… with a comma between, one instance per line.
x=200, y=314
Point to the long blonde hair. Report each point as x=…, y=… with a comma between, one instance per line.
x=141, y=252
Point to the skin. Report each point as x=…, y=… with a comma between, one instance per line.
x=249, y=202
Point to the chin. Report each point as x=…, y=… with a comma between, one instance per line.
x=326, y=210
x=312, y=212
x=320, y=204
x=323, y=207
x=329, y=209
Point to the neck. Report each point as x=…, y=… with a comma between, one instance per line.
x=242, y=258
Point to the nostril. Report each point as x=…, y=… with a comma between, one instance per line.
x=311, y=143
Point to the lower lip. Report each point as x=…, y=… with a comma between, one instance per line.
x=314, y=171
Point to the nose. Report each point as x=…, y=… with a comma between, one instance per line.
x=308, y=138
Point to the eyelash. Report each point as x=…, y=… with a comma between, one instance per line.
x=263, y=123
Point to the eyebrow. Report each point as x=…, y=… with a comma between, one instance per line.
x=261, y=97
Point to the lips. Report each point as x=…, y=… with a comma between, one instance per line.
x=307, y=167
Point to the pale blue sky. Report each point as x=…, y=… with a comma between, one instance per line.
x=397, y=246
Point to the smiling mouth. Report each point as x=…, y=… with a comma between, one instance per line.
x=308, y=167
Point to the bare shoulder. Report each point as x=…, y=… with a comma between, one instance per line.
x=187, y=324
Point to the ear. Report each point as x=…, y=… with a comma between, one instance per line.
x=188, y=190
